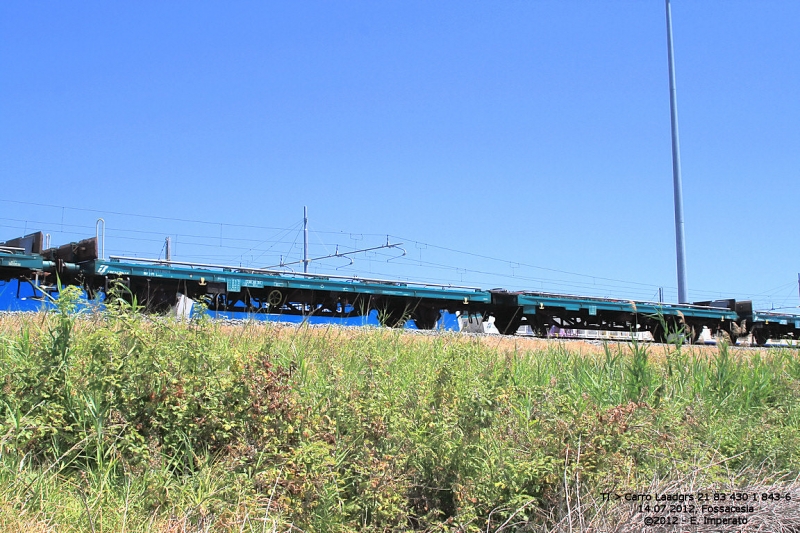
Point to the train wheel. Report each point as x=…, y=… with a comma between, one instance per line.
x=539, y=330
x=538, y=326
x=669, y=331
x=726, y=337
x=426, y=318
x=659, y=333
x=275, y=298
x=693, y=333
x=508, y=323
x=760, y=336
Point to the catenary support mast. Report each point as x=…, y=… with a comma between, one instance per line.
x=676, y=167
x=305, y=239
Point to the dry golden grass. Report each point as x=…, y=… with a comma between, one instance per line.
x=12, y=522
x=254, y=331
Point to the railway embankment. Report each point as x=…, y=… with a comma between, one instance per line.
x=112, y=421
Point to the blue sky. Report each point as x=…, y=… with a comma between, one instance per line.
x=523, y=145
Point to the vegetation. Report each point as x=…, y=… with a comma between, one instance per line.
x=111, y=421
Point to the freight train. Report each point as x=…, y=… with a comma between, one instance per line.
x=157, y=285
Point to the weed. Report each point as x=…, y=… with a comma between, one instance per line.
x=117, y=421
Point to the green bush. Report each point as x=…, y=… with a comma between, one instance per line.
x=118, y=420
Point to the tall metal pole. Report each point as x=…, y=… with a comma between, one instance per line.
x=676, y=167
x=305, y=239
x=168, y=247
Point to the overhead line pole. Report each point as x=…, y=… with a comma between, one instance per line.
x=676, y=167
x=305, y=240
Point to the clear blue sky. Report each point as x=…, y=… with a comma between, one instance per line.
x=536, y=133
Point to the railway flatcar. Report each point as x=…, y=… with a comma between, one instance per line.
x=157, y=285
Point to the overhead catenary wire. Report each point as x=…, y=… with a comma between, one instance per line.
x=611, y=287
x=154, y=217
x=238, y=244
x=623, y=283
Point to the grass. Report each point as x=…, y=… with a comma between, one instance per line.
x=116, y=422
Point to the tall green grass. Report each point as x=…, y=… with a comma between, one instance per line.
x=116, y=422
